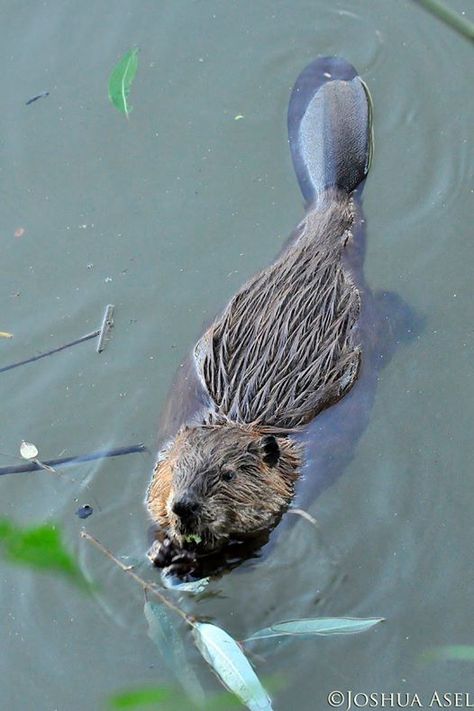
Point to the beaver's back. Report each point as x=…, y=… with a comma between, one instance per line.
x=286, y=347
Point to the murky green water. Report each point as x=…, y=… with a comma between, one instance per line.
x=165, y=216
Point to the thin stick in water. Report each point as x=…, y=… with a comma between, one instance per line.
x=87, y=337
x=147, y=587
x=451, y=18
x=69, y=461
x=107, y=324
x=35, y=98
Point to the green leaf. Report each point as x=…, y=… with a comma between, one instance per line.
x=162, y=630
x=229, y=662
x=163, y=698
x=319, y=626
x=453, y=652
x=5, y=529
x=141, y=697
x=39, y=547
x=121, y=80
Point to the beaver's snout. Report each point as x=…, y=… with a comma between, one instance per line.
x=186, y=508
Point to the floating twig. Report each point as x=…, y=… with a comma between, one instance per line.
x=44, y=466
x=451, y=18
x=69, y=461
x=107, y=324
x=147, y=587
x=29, y=451
x=35, y=98
x=87, y=337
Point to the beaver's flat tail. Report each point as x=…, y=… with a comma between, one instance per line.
x=329, y=127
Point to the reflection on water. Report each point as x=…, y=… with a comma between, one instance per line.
x=165, y=216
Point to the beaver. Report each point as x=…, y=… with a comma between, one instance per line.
x=287, y=347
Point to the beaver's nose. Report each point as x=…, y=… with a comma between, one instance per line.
x=186, y=508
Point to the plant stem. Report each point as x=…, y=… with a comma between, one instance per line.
x=451, y=18
x=147, y=587
x=69, y=461
x=87, y=337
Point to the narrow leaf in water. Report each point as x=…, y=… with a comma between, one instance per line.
x=452, y=652
x=157, y=697
x=163, y=631
x=138, y=698
x=6, y=334
x=450, y=17
x=319, y=626
x=229, y=662
x=121, y=80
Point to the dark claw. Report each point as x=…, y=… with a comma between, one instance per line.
x=165, y=553
x=183, y=571
x=184, y=558
x=161, y=553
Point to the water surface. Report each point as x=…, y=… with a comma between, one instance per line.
x=166, y=215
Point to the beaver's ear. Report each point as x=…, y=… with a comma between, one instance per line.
x=270, y=450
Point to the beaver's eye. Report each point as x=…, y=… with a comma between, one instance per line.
x=228, y=475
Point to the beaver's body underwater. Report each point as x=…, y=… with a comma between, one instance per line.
x=288, y=346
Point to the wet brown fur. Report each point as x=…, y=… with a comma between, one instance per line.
x=284, y=349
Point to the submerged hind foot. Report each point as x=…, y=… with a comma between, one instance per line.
x=397, y=323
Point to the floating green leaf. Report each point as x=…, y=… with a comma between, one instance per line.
x=319, y=626
x=453, y=652
x=39, y=547
x=141, y=697
x=161, y=697
x=121, y=80
x=229, y=662
x=162, y=630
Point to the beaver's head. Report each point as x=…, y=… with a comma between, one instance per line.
x=212, y=484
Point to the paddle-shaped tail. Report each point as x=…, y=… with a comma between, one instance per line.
x=329, y=128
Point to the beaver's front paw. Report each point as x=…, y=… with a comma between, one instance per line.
x=167, y=554
x=183, y=566
x=162, y=552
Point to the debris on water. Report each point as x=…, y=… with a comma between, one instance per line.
x=84, y=511
x=33, y=465
x=19, y=232
x=6, y=334
x=28, y=450
x=87, y=337
x=35, y=98
x=238, y=117
x=107, y=324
